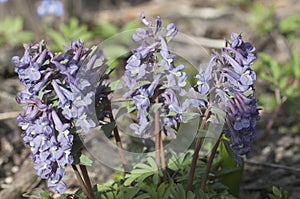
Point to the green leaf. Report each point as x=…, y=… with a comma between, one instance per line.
x=57, y=38
x=226, y=170
x=290, y=90
x=138, y=175
x=38, y=194
x=143, y=166
x=219, y=114
x=290, y=24
x=105, y=29
x=188, y=116
x=274, y=69
x=143, y=196
x=155, y=179
x=85, y=160
x=113, y=52
x=276, y=191
x=115, y=85
x=122, y=111
x=296, y=63
x=261, y=19
x=190, y=195
x=141, y=172
x=155, y=107
x=129, y=192
x=163, y=190
x=232, y=179
x=203, y=195
x=131, y=25
x=108, y=128
x=141, y=83
x=283, y=82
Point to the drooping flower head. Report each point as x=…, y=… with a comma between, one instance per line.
x=228, y=81
x=242, y=111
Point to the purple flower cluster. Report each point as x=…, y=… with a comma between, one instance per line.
x=242, y=115
x=238, y=78
x=230, y=78
x=58, y=95
x=50, y=142
x=151, y=72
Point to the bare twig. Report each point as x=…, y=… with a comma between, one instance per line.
x=272, y=165
x=186, y=10
x=273, y=117
x=9, y=115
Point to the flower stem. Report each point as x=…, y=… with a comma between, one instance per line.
x=82, y=183
x=163, y=161
x=209, y=163
x=87, y=180
x=196, y=152
x=158, y=141
x=119, y=145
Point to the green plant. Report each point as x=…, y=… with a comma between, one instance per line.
x=290, y=25
x=261, y=19
x=278, y=193
x=67, y=87
x=68, y=32
x=12, y=31
x=264, y=20
x=283, y=79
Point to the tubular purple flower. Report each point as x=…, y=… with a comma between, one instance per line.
x=204, y=76
x=59, y=126
x=171, y=30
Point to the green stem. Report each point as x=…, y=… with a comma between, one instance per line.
x=119, y=145
x=196, y=153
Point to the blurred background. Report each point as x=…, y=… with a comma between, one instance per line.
x=273, y=27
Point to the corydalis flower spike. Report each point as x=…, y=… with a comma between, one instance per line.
x=54, y=105
x=152, y=66
x=231, y=79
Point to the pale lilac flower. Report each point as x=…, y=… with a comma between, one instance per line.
x=50, y=7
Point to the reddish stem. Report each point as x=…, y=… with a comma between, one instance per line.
x=120, y=146
x=82, y=183
x=196, y=152
x=87, y=180
x=157, y=134
x=209, y=164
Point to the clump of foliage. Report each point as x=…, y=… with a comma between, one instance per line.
x=67, y=94
x=12, y=32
